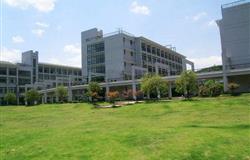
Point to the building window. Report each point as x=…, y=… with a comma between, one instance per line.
x=153, y=50
x=131, y=54
x=3, y=71
x=148, y=48
x=143, y=47
x=12, y=71
x=131, y=42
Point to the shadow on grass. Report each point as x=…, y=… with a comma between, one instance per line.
x=239, y=126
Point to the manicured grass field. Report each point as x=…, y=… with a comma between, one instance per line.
x=205, y=129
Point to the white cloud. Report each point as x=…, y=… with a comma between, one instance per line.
x=17, y=39
x=72, y=48
x=43, y=25
x=59, y=28
x=71, y=58
x=206, y=61
x=196, y=17
x=10, y=55
x=212, y=23
x=40, y=5
x=199, y=16
x=139, y=9
x=38, y=32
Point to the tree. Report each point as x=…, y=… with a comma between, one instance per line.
x=61, y=92
x=232, y=87
x=210, y=88
x=113, y=95
x=187, y=83
x=93, y=90
x=10, y=98
x=153, y=84
x=32, y=97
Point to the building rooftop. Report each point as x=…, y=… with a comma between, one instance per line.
x=58, y=65
x=7, y=63
x=236, y=3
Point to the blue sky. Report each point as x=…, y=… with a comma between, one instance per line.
x=53, y=27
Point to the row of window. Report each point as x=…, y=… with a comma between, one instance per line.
x=12, y=71
x=97, y=47
x=153, y=59
x=96, y=58
x=160, y=53
x=59, y=71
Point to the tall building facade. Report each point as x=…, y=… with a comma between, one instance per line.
x=30, y=73
x=113, y=56
x=235, y=40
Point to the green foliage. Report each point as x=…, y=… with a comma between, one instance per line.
x=232, y=87
x=204, y=129
x=187, y=83
x=210, y=69
x=152, y=83
x=32, y=97
x=10, y=98
x=61, y=92
x=94, y=90
x=210, y=88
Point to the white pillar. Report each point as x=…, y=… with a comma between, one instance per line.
x=45, y=97
x=134, y=91
x=158, y=93
x=169, y=90
x=107, y=89
x=69, y=94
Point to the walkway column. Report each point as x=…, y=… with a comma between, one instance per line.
x=45, y=97
x=57, y=98
x=169, y=90
x=69, y=94
x=133, y=84
x=158, y=93
x=107, y=89
x=134, y=91
x=225, y=83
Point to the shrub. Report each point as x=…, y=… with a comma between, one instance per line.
x=32, y=97
x=127, y=95
x=139, y=95
x=113, y=95
x=211, y=88
x=232, y=87
x=10, y=98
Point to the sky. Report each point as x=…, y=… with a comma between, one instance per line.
x=53, y=27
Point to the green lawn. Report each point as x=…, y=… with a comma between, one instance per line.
x=209, y=128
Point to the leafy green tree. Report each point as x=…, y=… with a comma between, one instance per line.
x=10, y=98
x=232, y=87
x=61, y=92
x=93, y=90
x=153, y=84
x=32, y=97
x=210, y=88
x=187, y=83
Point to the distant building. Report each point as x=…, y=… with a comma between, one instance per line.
x=112, y=56
x=16, y=78
x=235, y=41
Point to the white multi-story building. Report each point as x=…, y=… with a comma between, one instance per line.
x=18, y=77
x=112, y=56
